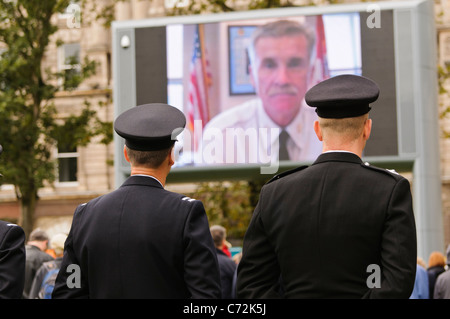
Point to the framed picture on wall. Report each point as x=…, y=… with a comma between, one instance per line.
x=239, y=37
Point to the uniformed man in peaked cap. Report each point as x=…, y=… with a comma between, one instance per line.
x=142, y=241
x=339, y=228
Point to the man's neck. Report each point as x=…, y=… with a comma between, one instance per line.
x=156, y=173
x=348, y=148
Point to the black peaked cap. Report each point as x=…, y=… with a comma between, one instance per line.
x=343, y=96
x=150, y=127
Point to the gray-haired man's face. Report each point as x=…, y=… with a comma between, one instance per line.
x=279, y=74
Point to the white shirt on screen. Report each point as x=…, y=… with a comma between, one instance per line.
x=246, y=134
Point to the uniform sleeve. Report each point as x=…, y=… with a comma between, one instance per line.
x=398, y=247
x=258, y=273
x=70, y=282
x=12, y=263
x=201, y=271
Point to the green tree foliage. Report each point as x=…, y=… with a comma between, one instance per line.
x=214, y=6
x=228, y=204
x=443, y=77
x=29, y=123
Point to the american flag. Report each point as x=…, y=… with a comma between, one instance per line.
x=320, y=69
x=199, y=82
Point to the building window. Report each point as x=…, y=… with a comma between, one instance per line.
x=67, y=164
x=175, y=64
x=69, y=62
x=343, y=38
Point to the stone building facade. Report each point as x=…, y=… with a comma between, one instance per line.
x=86, y=172
x=443, y=43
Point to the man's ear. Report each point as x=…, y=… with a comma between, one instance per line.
x=367, y=129
x=171, y=157
x=126, y=154
x=318, y=130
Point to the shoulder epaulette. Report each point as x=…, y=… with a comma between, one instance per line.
x=288, y=172
x=188, y=199
x=390, y=172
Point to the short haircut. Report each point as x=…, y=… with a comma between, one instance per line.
x=149, y=159
x=350, y=127
x=218, y=234
x=57, y=243
x=436, y=259
x=277, y=29
x=38, y=235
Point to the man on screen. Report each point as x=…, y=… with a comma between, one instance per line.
x=276, y=125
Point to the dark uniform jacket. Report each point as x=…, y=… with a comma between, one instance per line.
x=318, y=229
x=227, y=269
x=12, y=260
x=140, y=241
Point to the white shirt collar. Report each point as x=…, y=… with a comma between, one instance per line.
x=150, y=177
x=302, y=122
x=340, y=151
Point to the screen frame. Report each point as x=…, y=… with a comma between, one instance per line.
x=403, y=161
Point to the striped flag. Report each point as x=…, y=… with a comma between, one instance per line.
x=320, y=69
x=199, y=82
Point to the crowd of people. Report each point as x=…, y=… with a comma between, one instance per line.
x=44, y=256
x=433, y=280
x=28, y=270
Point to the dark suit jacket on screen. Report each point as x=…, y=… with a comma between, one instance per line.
x=319, y=228
x=141, y=241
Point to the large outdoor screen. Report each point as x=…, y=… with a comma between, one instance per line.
x=238, y=99
x=240, y=79
x=243, y=102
